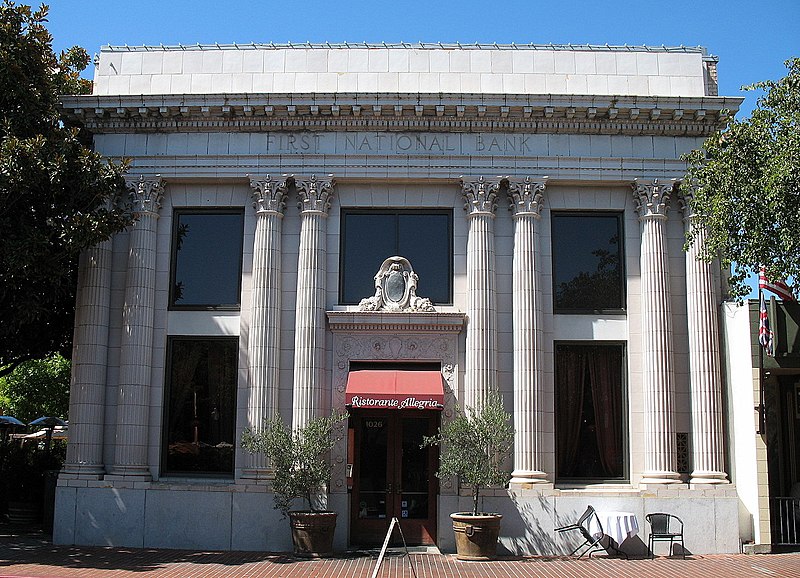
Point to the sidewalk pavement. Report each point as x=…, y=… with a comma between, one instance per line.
x=31, y=554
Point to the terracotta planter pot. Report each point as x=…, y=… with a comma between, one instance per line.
x=312, y=533
x=476, y=536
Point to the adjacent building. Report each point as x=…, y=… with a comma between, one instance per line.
x=397, y=230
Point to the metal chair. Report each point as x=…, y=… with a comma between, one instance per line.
x=591, y=542
x=665, y=528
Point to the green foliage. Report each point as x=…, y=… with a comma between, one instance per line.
x=475, y=446
x=36, y=388
x=22, y=470
x=299, y=457
x=746, y=184
x=56, y=195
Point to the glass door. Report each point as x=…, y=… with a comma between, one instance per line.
x=393, y=476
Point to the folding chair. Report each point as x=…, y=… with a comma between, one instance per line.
x=663, y=528
x=591, y=542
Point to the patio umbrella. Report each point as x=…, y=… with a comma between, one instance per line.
x=46, y=421
x=7, y=420
x=50, y=424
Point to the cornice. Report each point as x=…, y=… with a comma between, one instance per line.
x=695, y=116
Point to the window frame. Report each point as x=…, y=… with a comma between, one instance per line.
x=173, y=267
x=164, y=472
x=396, y=211
x=620, y=217
x=625, y=410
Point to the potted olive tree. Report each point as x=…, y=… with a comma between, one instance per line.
x=474, y=447
x=300, y=463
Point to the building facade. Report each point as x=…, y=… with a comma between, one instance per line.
x=397, y=230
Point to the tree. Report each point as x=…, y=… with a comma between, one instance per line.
x=36, y=388
x=298, y=457
x=474, y=447
x=745, y=184
x=57, y=197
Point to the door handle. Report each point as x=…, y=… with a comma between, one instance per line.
x=389, y=489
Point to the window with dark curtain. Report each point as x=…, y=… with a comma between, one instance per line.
x=206, y=259
x=588, y=273
x=200, y=408
x=590, y=413
x=369, y=237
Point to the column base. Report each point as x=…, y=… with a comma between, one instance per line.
x=708, y=477
x=526, y=478
x=82, y=472
x=129, y=473
x=664, y=477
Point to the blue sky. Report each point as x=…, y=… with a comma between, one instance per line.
x=752, y=38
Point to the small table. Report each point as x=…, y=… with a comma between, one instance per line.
x=619, y=526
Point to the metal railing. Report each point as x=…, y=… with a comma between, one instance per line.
x=786, y=521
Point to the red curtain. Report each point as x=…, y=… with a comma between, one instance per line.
x=570, y=369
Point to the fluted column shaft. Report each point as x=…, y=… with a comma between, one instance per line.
x=652, y=203
x=87, y=392
x=526, y=201
x=263, y=345
x=481, y=355
x=705, y=372
x=309, y=335
x=136, y=350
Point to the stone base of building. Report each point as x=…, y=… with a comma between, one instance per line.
x=241, y=517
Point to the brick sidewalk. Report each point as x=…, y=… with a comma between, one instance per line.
x=32, y=555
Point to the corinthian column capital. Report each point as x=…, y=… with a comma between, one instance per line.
x=480, y=196
x=146, y=195
x=269, y=195
x=526, y=196
x=315, y=194
x=652, y=197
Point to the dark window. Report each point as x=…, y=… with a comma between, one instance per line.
x=200, y=408
x=206, y=259
x=368, y=238
x=590, y=411
x=588, y=273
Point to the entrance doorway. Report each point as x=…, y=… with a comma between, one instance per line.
x=393, y=476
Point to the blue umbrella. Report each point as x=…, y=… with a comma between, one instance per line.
x=10, y=420
x=49, y=422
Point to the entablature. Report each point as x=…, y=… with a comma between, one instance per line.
x=695, y=116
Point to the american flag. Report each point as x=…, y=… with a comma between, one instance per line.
x=780, y=288
x=764, y=331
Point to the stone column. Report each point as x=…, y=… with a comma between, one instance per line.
x=87, y=392
x=309, y=336
x=704, y=358
x=480, y=379
x=263, y=344
x=526, y=202
x=658, y=370
x=136, y=349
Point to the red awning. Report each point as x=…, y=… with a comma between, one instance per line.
x=391, y=389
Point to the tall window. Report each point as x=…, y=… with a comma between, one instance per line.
x=590, y=411
x=369, y=237
x=588, y=273
x=200, y=407
x=206, y=259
